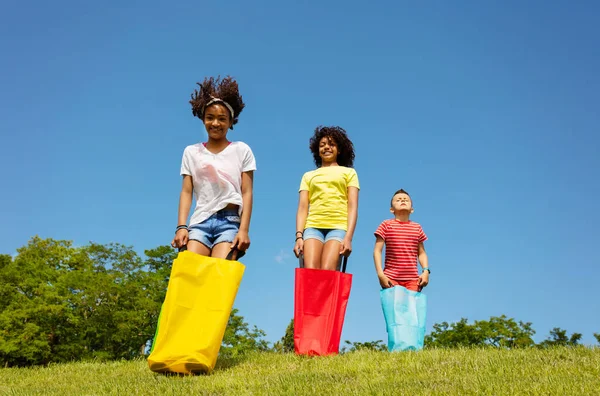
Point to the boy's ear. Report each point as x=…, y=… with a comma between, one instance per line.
x=391, y=210
x=412, y=210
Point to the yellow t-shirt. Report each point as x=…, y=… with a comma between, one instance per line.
x=328, y=196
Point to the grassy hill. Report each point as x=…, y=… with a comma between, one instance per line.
x=559, y=371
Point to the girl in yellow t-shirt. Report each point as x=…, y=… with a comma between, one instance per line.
x=328, y=205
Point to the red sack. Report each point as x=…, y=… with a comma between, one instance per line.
x=320, y=302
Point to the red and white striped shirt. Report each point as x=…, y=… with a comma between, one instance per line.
x=402, y=239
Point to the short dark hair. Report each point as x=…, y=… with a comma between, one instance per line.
x=401, y=191
x=225, y=90
x=338, y=135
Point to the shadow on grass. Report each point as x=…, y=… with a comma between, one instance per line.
x=227, y=362
x=223, y=363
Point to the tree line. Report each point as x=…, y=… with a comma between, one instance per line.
x=498, y=332
x=60, y=303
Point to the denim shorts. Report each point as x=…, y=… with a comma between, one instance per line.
x=324, y=234
x=221, y=227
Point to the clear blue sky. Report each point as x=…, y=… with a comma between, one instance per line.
x=486, y=112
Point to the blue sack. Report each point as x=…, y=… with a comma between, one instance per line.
x=405, y=313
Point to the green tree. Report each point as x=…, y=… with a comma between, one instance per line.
x=286, y=343
x=153, y=283
x=558, y=337
x=240, y=339
x=505, y=332
x=459, y=334
x=60, y=303
x=362, y=346
x=6, y=290
x=36, y=315
x=501, y=332
x=111, y=302
x=597, y=336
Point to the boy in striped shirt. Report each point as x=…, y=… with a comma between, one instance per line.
x=403, y=240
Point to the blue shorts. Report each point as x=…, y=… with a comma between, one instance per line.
x=324, y=234
x=222, y=226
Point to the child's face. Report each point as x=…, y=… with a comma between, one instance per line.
x=401, y=202
x=217, y=121
x=328, y=150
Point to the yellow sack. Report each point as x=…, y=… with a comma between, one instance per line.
x=194, y=314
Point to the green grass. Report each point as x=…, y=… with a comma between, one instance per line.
x=560, y=371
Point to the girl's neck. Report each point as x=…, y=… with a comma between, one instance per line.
x=216, y=146
x=326, y=164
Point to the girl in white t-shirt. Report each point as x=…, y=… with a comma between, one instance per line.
x=218, y=174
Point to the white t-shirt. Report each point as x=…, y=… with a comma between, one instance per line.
x=217, y=178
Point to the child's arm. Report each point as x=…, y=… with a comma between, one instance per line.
x=185, y=202
x=424, y=277
x=301, y=216
x=346, y=247
x=242, y=239
x=383, y=280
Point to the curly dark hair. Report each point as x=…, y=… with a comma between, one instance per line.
x=338, y=135
x=211, y=88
